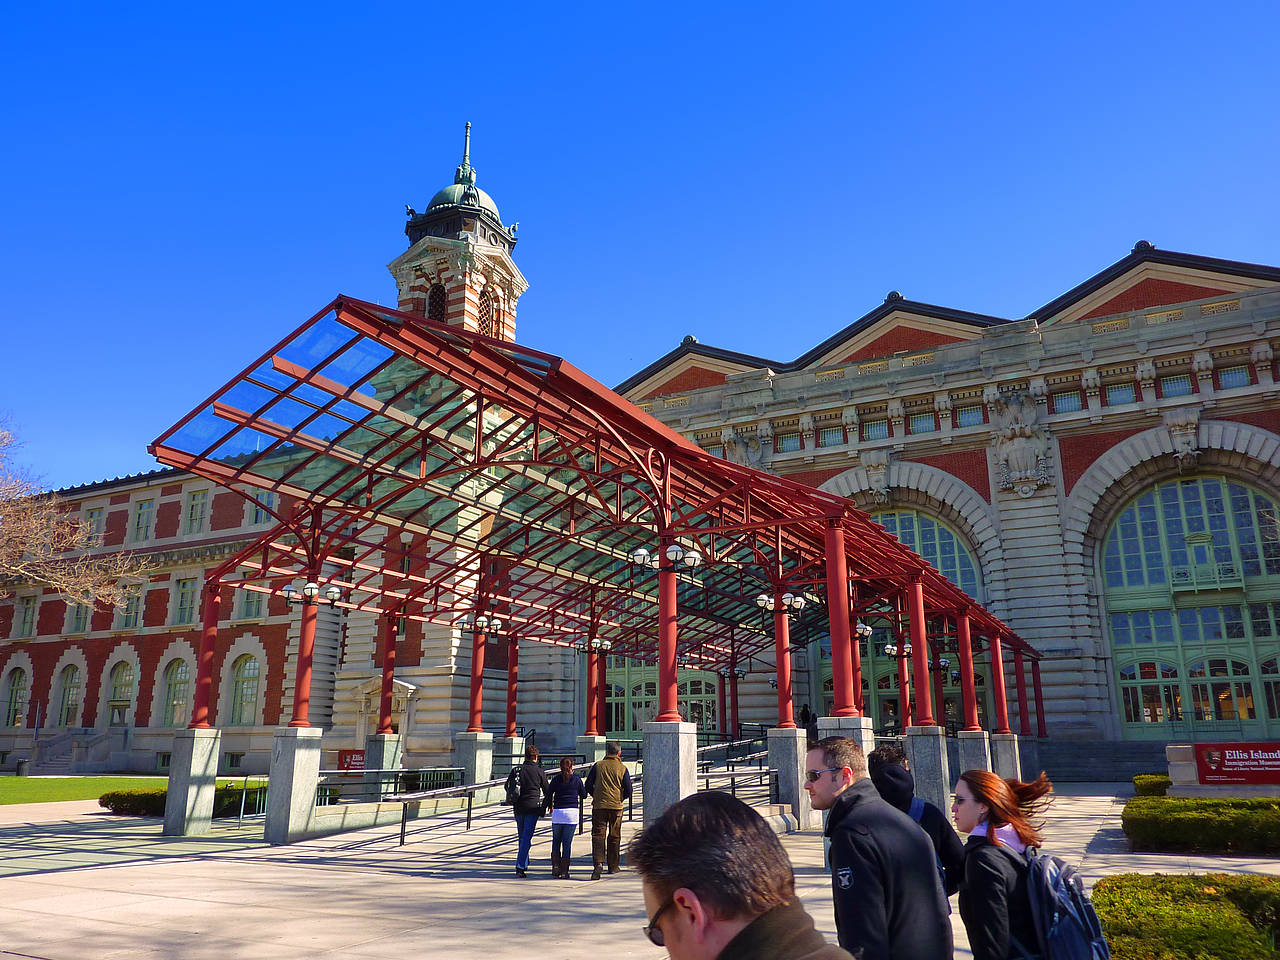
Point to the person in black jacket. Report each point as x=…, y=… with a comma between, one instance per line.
x=994, y=903
x=530, y=785
x=897, y=787
x=718, y=886
x=884, y=877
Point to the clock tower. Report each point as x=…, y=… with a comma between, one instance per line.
x=458, y=268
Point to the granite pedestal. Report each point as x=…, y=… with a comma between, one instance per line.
x=592, y=748
x=670, y=764
x=1005, y=760
x=855, y=728
x=975, y=750
x=295, y=774
x=193, y=776
x=473, y=752
x=926, y=749
x=787, y=751
x=382, y=752
x=508, y=752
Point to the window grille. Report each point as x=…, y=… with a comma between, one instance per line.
x=1067, y=401
x=922, y=423
x=1118, y=393
x=875, y=430
x=831, y=436
x=786, y=442
x=1237, y=376
x=1178, y=385
x=969, y=415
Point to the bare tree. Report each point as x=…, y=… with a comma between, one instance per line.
x=42, y=543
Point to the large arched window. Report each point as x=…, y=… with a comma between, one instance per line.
x=632, y=696
x=1191, y=578
x=938, y=544
x=437, y=303
x=177, y=685
x=15, y=714
x=244, y=692
x=121, y=681
x=69, y=696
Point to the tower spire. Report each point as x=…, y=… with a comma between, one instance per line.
x=465, y=175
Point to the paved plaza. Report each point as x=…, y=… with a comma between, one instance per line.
x=76, y=883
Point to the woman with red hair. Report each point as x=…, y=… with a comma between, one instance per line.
x=994, y=905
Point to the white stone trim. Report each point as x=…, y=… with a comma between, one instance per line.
x=127, y=652
x=250, y=644
x=179, y=649
x=22, y=659
x=946, y=497
x=72, y=656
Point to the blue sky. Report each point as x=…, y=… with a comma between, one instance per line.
x=183, y=186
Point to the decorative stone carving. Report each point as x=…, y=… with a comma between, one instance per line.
x=1091, y=381
x=990, y=394
x=876, y=463
x=1146, y=371
x=896, y=416
x=749, y=451
x=806, y=430
x=849, y=419
x=942, y=402
x=1262, y=353
x=1183, y=424
x=1038, y=389
x=1202, y=364
x=1021, y=443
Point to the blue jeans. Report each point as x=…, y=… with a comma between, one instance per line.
x=562, y=839
x=526, y=823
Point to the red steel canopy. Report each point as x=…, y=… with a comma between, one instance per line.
x=429, y=472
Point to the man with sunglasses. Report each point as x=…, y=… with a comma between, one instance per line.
x=884, y=878
x=718, y=886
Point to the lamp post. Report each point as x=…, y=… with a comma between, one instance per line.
x=307, y=598
x=481, y=625
x=784, y=607
x=862, y=633
x=901, y=651
x=678, y=557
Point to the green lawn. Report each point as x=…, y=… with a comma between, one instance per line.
x=45, y=789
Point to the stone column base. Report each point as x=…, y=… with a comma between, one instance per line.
x=788, y=747
x=295, y=774
x=382, y=751
x=670, y=764
x=592, y=748
x=1005, y=761
x=508, y=752
x=473, y=752
x=193, y=776
x=926, y=749
x=1029, y=757
x=855, y=728
x=975, y=750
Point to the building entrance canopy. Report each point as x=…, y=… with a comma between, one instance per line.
x=433, y=473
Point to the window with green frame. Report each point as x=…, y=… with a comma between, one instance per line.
x=1191, y=577
x=632, y=696
x=941, y=546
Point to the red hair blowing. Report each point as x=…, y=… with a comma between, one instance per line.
x=1010, y=801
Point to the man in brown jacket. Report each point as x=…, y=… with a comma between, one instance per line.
x=609, y=784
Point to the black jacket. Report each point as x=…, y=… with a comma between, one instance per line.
x=884, y=881
x=534, y=788
x=993, y=900
x=897, y=788
x=783, y=933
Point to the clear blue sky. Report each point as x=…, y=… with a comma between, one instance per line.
x=184, y=184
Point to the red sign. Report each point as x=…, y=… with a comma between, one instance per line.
x=1251, y=763
x=350, y=759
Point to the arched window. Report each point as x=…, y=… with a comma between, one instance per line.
x=121, y=694
x=15, y=714
x=698, y=701
x=484, y=322
x=941, y=546
x=1190, y=568
x=437, y=303
x=177, y=685
x=244, y=692
x=69, y=696
x=1270, y=670
x=631, y=698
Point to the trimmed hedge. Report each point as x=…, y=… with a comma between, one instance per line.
x=150, y=803
x=1197, y=917
x=1151, y=784
x=1203, y=825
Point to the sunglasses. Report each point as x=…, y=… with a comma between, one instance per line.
x=652, y=930
x=814, y=775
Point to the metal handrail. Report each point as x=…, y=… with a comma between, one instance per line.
x=766, y=775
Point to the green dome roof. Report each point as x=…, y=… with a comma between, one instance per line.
x=465, y=193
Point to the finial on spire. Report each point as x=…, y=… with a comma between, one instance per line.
x=464, y=173
x=466, y=146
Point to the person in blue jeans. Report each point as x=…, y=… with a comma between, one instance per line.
x=567, y=790
x=528, y=784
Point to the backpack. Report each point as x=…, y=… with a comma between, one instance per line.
x=916, y=812
x=1067, y=926
x=513, y=788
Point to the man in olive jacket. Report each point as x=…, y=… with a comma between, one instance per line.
x=884, y=875
x=609, y=784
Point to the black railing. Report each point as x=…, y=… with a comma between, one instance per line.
x=765, y=777
x=372, y=786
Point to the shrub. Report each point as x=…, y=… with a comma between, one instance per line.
x=150, y=803
x=1189, y=917
x=1203, y=825
x=1151, y=784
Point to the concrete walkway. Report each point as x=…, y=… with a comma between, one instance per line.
x=87, y=886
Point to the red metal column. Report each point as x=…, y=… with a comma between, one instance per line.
x=204, y=666
x=388, y=624
x=668, y=707
x=1024, y=708
x=475, y=724
x=1041, y=730
x=855, y=654
x=838, y=614
x=904, y=675
x=939, y=694
x=919, y=653
x=593, y=692
x=997, y=681
x=602, y=696
x=734, y=727
x=782, y=653
x=306, y=651
x=721, y=715
x=967, y=692
x=513, y=671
